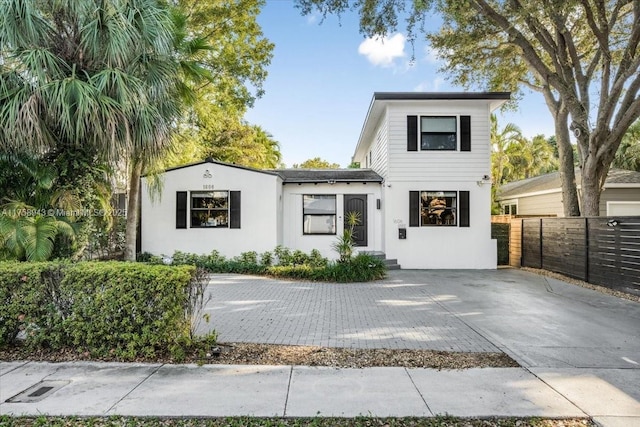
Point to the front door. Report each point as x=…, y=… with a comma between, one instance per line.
x=357, y=203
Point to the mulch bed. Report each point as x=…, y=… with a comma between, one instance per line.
x=268, y=354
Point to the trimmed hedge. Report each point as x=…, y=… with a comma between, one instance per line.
x=283, y=263
x=361, y=268
x=114, y=309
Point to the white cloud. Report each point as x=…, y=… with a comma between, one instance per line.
x=437, y=82
x=430, y=86
x=383, y=51
x=431, y=55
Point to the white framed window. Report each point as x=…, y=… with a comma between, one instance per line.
x=319, y=214
x=509, y=207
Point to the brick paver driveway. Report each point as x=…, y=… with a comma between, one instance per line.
x=538, y=321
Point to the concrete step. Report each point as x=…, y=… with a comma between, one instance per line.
x=392, y=264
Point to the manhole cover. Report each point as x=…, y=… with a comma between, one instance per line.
x=38, y=392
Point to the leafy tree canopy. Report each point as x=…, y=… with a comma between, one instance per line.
x=628, y=155
x=316, y=163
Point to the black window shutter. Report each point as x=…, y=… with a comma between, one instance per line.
x=414, y=209
x=463, y=208
x=181, y=209
x=465, y=133
x=412, y=133
x=234, y=209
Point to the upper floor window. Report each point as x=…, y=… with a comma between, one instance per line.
x=438, y=133
x=319, y=213
x=209, y=209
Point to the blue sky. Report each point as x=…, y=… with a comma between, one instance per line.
x=323, y=75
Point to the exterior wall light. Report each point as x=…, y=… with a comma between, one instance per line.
x=486, y=179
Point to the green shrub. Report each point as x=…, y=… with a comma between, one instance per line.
x=361, y=268
x=317, y=260
x=300, y=272
x=248, y=257
x=22, y=299
x=266, y=259
x=284, y=256
x=126, y=310
x=290, y=264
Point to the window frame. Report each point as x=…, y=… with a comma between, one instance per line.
x=210, y=210
x=437, y=210
x=422, y=133
x=509, y=205
x=334, y=214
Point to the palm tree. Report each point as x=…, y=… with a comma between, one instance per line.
x=31, y=220
x=530, y=157
x=628, y=154
x=87, y=72
x=500, y=142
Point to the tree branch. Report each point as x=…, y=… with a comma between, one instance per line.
x=528, y=52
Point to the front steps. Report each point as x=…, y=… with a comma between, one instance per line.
x=392, y=264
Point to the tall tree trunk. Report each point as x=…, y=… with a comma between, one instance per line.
x=594, y=172
x=565, y=153
x=131, y=232
x=590, y=188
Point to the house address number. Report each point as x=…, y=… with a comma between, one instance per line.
x=399, y=222
x=207, y=186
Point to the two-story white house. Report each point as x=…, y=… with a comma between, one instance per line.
x=423, y=192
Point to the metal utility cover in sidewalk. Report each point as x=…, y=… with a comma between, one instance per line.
x=38, y=392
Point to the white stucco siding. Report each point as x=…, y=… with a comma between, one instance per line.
x=440, y=247
x=451, y=166
x=259, y=222
x=293, y=233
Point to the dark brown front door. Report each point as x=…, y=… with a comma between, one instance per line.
x=357, y=203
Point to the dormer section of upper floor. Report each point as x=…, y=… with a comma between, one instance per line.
x=428, y=136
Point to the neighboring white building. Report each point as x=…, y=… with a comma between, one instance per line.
x=423, y=192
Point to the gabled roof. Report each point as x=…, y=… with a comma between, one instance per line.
x=551, y=182
x=381, y=99
x=216, y=162
x=301, y=175
x=291, y=176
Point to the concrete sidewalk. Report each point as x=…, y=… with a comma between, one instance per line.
x=103, y=389
x=579, y=351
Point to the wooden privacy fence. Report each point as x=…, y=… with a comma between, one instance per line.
x=600, y=250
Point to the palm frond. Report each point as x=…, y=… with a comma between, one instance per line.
x=39, y=236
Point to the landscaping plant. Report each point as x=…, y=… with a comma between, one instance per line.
x=283, y=263
x=106, y=309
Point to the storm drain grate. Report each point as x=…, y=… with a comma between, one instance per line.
x=38, y=392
